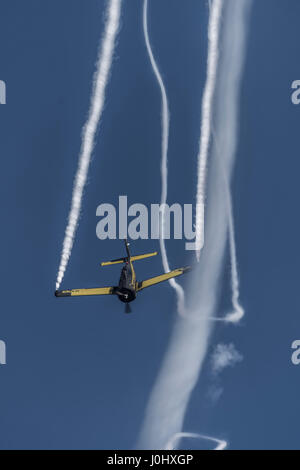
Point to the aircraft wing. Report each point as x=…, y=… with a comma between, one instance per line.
x=78, y=292
x=163, y=277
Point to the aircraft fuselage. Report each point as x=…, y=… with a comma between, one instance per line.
x=127, y=283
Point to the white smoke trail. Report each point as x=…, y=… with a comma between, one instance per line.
x=238, y=312
x=173, y=442
x=190, y=338
x=206, y=131
x=165, y=119
x=89, y=131
x=207, y=106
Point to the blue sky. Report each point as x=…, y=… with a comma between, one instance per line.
x=79, y=371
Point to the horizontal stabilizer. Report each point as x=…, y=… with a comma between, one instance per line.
x=114, y=261
x=132, y=258
x=146, y=255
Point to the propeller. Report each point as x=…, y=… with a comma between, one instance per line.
x=127, y=308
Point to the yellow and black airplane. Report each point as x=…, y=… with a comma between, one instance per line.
x=128, y=285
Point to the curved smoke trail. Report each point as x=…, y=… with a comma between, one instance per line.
x=238, y=312
x=207, y=105
x=89, y=131
x=172, y=443
x=165, y=119
x=188, y=345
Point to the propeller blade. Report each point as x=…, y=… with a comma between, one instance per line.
x=127, y=308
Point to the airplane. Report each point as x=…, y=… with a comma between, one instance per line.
x=128, y=285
